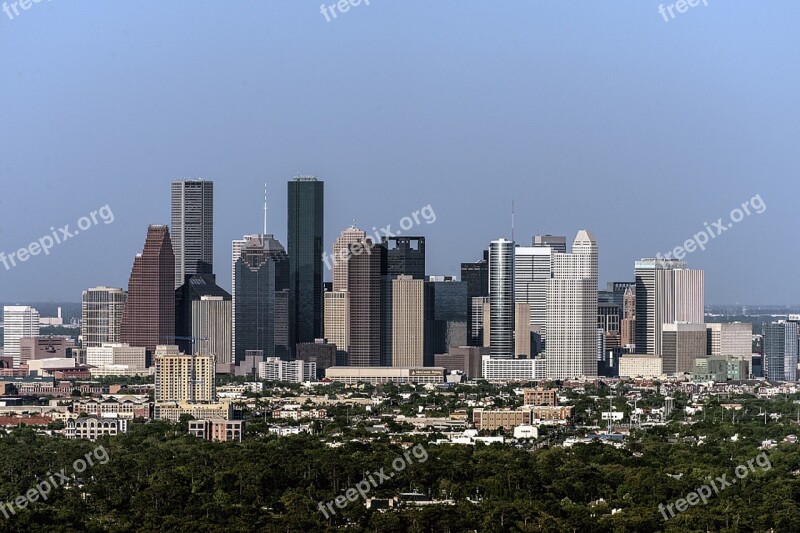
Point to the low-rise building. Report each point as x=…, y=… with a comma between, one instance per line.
x=172, y=411
x=92, y=427
x=513, y=370
x=385, y=374
x=122, y=406
x=540, y=396
x=217, y=430
x=640, y=366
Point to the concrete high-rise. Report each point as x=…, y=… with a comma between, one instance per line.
x=532, y=273
x=305, y=234
x=730, y=339
x=365, y=281
x=405, y=256
x=666, y=292
x=192, y=230
x=18, y=321
x=501, y=298
x=341, y=247
x=203, y=311
x=149, y=316
x=408, y=321
x=781, y=351
x=572, y=311
x=681, y=344
x=101, y=316
x=262, y=277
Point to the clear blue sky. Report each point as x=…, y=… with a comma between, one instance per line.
x=588, y=114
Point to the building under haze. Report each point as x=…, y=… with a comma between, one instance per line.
x=501, y=298
x=365, y=286
x=101, y=315
x=305, y=234
x=666, y=292
x=532, y=273
x=260, y=297
x=557, y=243
x=19, y=321
x=203, y=312
x=572, y=311
x=192, y=228
x=149, y=316
x=781, y=351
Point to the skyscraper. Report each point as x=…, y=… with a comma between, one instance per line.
x=446, y=311
x=781, y=351
x=341, y=247
x=501, y=298
x=532, y=272
x=476, y=276
x=408, y=321
x=405, y=256
x=204, y=312
x=628, y=322
x=305, y=245
x=19, y=321
x=149, y=316
x=666, y=292
x=262, y=277
x=192, y=229
x=572, y=311
x=365, y=276
x=101, y=316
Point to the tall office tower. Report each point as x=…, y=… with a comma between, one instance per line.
x=405, y=256
x=192, y=228
x=628, y=322
x=666, y=292
x=476, y=324
x=532, y=272
x=609, y=320
x=305, y=245
x=522, y=331
x=183, y=378
x=340, y=257
x=572, y=311
x=445, y=315
x=101, y=315
x=260, y=260
x=501, y=298
x=781, y=351
x=18, y=321
x=337, y=319
x=204, y=312
x=476, y=276
x=682, y=343
x=557, y=243
x=149, y=316
x=408, y=321
x=364, y=283
x=730, y=339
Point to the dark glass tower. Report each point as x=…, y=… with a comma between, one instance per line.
x=405, y=256
x=261, y=290
x=305, y=245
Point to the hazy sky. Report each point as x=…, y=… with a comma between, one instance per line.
x=587, y=114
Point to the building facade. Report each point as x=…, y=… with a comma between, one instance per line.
x=192, y=228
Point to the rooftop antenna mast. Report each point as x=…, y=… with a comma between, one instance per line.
x=265, y=208
x=512, y=221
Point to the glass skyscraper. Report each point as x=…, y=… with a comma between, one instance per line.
x=305, y=245
x=192, y=228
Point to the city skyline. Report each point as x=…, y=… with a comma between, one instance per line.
x=571, y=108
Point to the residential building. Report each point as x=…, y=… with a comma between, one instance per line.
x=501, y=298
x=218, y=430
x=297, y=371
x=19, y=321
x=101, y=315
x=183, y=378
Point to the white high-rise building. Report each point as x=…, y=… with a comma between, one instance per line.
x=532, y=272
x=730, y=339
x=572, y=311
x=666, y=292
x=18, y=321
x=101, y=315
x=109, y=354
x=501, y=298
